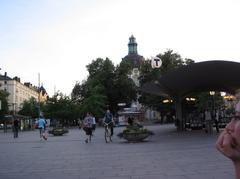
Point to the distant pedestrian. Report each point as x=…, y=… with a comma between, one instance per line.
x=108, y=120
x=42, y=127
x=237, y=108
x=130, y=121
x=216, y=120
x=87, y=127
x=208, y=121
x=15, y=128
x=93, y=122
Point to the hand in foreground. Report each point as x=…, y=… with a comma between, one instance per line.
x=228, y=146
x=228, y=143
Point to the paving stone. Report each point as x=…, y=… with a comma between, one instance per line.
x=166, y=155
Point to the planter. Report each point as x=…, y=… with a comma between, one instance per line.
x=135, y=133
x=58, y=131
x=135, y=136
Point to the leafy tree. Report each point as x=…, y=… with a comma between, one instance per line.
x=205, y=100
x=170, y=60
x=61, y=108
x=4, y=103
x=105, y=87
x=95, y=103
x=30, y=108
x=79, y=92
x=125, y=88
x=101, y=72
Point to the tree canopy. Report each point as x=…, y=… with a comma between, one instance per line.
x=105, y=87
x=4, y=103
x=30, y=108
x=170, y=60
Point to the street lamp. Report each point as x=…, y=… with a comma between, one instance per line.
x=223, y=94
x=212, y=93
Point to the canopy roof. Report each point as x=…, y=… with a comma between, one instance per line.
x=202, y=76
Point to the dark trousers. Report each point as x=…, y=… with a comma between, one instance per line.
x=217, y=127
x=15, y=132
x=111, y=127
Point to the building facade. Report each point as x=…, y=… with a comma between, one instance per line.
x=19, y=92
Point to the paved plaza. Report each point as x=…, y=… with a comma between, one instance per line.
x=166, y=155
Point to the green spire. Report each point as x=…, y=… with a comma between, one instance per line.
x=132, y=45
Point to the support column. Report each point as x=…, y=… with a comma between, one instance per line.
x=178, y=109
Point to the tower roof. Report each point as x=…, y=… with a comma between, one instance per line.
x=133, y=57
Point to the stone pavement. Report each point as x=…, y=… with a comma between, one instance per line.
x=166, y=155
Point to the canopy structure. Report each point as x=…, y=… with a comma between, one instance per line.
x=202, y=76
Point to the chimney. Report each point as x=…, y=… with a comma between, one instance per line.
x=17, y=79
x=5, y=74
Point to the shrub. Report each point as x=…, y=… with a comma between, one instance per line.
x=135, y=133
x=57, y=131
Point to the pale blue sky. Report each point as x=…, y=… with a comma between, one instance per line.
x=58, y=38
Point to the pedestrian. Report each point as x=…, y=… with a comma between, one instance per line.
x=108, y=119
x=87, y=127
x=208, y=121
x=216, y=120
x=130, y=121
x=15, y=128
x=79, y=123
x=42, y=127
x=237, y=108
x=93, y=122
x=36, y=124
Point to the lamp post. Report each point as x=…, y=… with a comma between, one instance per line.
x=215, y=114
x=212, y=93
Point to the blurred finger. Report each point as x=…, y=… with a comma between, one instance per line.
x=219, y=141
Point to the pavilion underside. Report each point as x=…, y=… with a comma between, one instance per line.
x=202, y=76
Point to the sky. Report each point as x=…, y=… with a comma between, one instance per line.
x=58, y=38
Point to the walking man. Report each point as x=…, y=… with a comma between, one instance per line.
x=15, y=128
x=208, y=122
x=41, y=126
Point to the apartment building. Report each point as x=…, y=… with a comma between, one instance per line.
x=19, y=92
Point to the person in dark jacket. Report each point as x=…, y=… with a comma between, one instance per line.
x=15, y=128
x=108, y=119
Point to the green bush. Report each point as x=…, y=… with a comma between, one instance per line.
x=57, y=131
x=135, y=132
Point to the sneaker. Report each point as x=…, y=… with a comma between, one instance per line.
x=86, y=141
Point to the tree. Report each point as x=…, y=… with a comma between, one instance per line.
x=95, y=103
x=105, y=87
x=125, y=88
x=30, y=108
x=170, y=61
x=61, y=108
x=205, y=100
x=4, y=103
x=79, y=92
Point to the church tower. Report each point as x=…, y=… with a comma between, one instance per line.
x=132, y=45
x=134, y=59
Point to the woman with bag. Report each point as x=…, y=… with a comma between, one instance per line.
x=87, y=127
